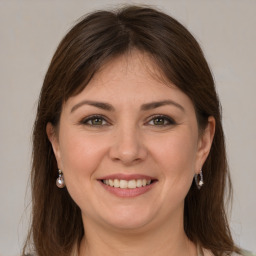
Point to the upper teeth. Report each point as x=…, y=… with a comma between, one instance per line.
x=127, y=183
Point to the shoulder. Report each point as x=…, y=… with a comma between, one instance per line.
x=245, y=253
x=209, y=253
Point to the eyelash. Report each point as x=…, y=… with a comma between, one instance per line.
x=93, y=117
x=167, y=120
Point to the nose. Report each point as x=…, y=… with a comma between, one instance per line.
x=127, y=146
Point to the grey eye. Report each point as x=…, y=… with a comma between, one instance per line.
x=161, y=121
x=94, y=121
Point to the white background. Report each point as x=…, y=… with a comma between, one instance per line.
x=29, y=34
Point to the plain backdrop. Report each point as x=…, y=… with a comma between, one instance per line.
x=29, y=34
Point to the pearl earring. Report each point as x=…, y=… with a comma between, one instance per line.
x=60, y=183
x=199, y=183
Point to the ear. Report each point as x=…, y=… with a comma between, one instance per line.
x=204, y=143
x=53, y=138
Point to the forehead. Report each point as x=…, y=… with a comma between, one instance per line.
x=132, y=77
x=135, y=64
x=134, y=67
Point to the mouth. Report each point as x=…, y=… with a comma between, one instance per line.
x=127, y=184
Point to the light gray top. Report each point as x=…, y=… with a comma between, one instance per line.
x=200, y=252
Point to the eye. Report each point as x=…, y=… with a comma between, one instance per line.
x=94, y=120
x=161, y=120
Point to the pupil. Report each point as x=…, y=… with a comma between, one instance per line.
x=97, y=121
x=159, y=121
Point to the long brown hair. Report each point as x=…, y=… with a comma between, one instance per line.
x=56, y=220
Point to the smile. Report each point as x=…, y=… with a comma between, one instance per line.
x=127, y=185
x=124, y=184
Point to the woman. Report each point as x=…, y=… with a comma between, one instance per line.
x=128, y=117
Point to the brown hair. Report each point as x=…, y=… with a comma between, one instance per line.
x=57, y=224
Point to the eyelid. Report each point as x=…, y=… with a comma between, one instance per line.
x=168, y=118
x=84, y=121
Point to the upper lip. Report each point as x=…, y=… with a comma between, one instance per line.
x=121, y=176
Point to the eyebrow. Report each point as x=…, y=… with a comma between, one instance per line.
x=96, y=104
x=158, y=104
x=144, y=107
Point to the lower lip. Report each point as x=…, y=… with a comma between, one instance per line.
x=128, y=192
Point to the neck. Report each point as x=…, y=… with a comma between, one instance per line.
x=166, y=240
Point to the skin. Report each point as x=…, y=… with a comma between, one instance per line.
x=130, y=140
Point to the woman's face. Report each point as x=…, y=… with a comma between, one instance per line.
x=128, y=129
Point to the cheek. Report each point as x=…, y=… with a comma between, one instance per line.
x=80, y=156
x=178, y=149
x=176, y=157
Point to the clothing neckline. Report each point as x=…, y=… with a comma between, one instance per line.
x=199, y=251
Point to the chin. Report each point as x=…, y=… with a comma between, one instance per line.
x=129, y=218
x=128, y=224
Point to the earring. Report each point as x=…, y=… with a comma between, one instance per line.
x=199, y=183
x=60, y=183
